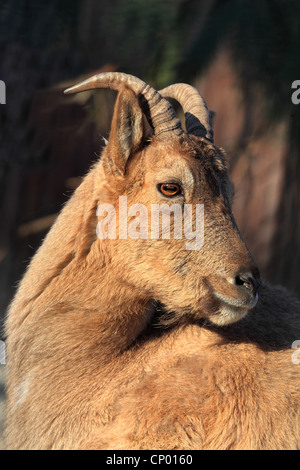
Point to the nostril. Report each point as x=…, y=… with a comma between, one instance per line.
x=247, y=281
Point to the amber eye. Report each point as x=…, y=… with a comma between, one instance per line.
x=169, y=189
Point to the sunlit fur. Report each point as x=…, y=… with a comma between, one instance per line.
x=119, y=344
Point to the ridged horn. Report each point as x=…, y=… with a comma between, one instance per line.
x=160, y=112
x=197, y=116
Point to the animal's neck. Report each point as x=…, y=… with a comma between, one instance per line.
x=76, y=283
x=107, y=312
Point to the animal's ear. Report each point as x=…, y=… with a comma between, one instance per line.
x=127, y=133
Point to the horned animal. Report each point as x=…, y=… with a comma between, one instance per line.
x=138, y=342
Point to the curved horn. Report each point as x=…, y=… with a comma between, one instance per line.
x=197, y=116
x=159, y=111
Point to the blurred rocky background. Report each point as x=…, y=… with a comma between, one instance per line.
x=243, y=58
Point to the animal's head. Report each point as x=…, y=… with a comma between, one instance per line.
x=203, y=271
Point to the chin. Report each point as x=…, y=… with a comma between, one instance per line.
x=232, y=311
x=227, y=315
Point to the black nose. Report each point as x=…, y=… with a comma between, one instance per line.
x=248, y=281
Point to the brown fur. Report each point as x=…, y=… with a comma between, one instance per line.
x=90, y=365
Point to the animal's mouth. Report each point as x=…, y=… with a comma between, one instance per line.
x=247, y=302
x=232, y=310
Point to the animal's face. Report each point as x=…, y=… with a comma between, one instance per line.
x=193, y=265
x=196, y=264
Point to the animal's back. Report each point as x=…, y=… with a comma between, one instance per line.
x=202, y=387
x=190, y=387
